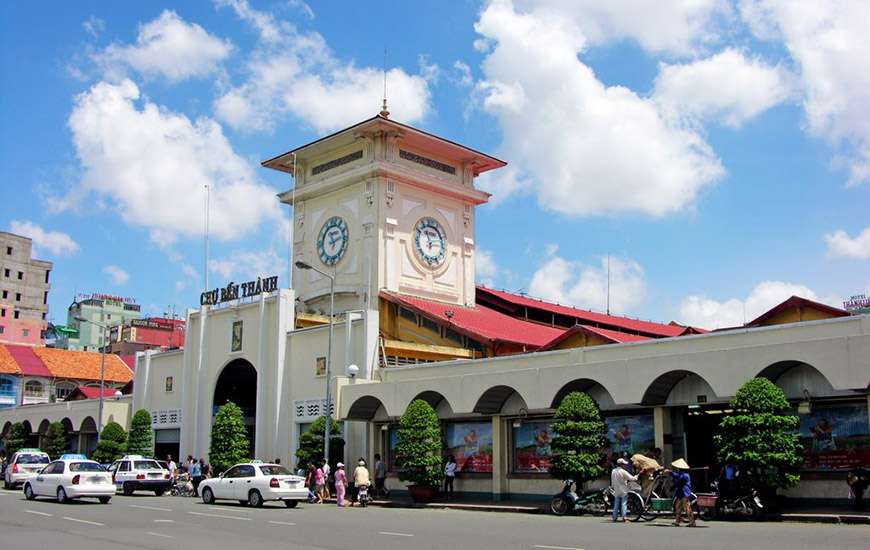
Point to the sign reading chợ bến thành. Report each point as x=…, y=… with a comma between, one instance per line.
x=235, y=291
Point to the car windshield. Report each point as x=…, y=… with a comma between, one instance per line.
x=85, y=467
x=33, y=459
x=146, y=465
x=274, y=470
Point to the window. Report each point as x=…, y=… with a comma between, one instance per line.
x=33, y=388
x=470, y=443
x=6, y=272
x=43, y=316
x=531, y=446
x=8, y=250
x=246, y=471
x=16, y=314
x=20, y=275
x=431, y=325
x=3, y=312
x=17, y=296
x=45, y=297
x=5, y=294
x=235, y=471
x=63, y=389
x=2, y=329
x=168, y=384
x=451, y=334
x=408, y=314
x=46, y=275
x=25, y=332
x=835, y=436
x=124, y=466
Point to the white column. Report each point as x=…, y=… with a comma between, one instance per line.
x=262, y=422
x=285, y=315
x=499, y=470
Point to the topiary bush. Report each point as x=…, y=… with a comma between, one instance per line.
x=56, y=441
x=310, y=449
x=229, y=438
x=111, y=444
x=418, y=451
x=760, y=436
x=579, y=440
x=15, y=439
x=141, y=438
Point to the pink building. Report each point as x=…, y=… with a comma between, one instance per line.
x=23, y=292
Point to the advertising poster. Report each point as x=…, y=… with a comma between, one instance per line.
x=470, y=443
x=630, y=434
x=835, y=437
x=532, y=450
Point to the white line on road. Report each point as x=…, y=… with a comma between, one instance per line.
x=555, y=547
x=234, y=509
x=219, y=516
x=84, y=521
x=153, y=534
x=282, y=523
x=39, y=513
x=395, y=534
x=164, y=521
x=149, y=508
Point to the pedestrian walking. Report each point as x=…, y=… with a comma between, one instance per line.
x=361, y=478
x=195, y=476
x=682, y=491
x=380, y=477
x=172, y=466
x=619, y=479
x=320, y=484
x=311, y=483
x=449, y=476
x=324, y=493
x=340, y=484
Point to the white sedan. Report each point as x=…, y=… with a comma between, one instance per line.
x=71, y=476
x=254, y=483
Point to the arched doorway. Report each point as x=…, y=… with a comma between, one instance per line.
x=88, y=436
x=238, y=383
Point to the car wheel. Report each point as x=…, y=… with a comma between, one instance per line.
x=255, y=499
x=291, y=503
x=207, y=496
x=159, y=492
x=105, y=500
x=127, y=488
x=28, y=492
x=61, y=495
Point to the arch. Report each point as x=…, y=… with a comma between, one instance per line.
x=88, y=425
x=237, y=382
x=795, y=378
x=43, y=426
x=63, y=388
x=33, y=388
x=28, y=429
x=435, y=399
x=659, y=390
x=67, y=425
x=592, y=387
x=6, y=427
x=364, y=408
x=493, y=400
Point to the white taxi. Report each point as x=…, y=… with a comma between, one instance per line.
x=139, y=473
x=71, y=476
x=254, y=483
x=23, y=465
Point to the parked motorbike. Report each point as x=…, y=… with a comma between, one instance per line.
x=363, y=496
x=181, y=487
x=858, y=480
x=590, y=502
x=745, y=503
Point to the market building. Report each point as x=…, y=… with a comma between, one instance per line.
x=384, y=237
x=24, y=291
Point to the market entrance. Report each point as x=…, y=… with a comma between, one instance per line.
x=238, y=383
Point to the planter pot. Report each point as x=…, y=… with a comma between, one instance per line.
x=423, y=493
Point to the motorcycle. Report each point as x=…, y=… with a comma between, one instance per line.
x=744, y=503
x=593, y=502
x=858, y=480
x=363, y=496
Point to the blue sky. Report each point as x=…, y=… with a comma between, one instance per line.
x=718, y=153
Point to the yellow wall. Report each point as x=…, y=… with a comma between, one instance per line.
x=582, y=340
x=797, y=314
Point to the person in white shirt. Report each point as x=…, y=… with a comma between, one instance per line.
x=449, y=476
x=619, y=480
x=171, y=466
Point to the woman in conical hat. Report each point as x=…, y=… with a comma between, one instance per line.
x=680, y=464
x=682, y=491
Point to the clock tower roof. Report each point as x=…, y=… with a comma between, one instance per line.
x=380, y=123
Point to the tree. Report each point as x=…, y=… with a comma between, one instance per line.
x=579, y=439
x=141, y=439
x=310, y=449
x=418, y=451
x=56, y=441
x=759, y=437
x=16, y=439
x=229, y=438
x=111, y=445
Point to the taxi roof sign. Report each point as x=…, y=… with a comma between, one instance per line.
x=73, y=456
x=29, y=450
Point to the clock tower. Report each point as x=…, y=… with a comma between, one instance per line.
x=383, y=206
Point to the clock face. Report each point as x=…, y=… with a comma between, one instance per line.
x=332, y=241
x=430, y=241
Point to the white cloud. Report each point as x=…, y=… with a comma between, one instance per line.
x=151, y=165
x=464, y=78
x=56, y=242
x=841, y=244
x=247, y=265
x=94, y=26
x=828, y=41
x=117, y=275
x=727, y=86
x=707, y=313
x=167, y=46
x=486, y=268
x=582, y=147
x=660, y=26
x=295, y=73
x=574, y=283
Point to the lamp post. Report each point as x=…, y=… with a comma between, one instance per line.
x=105, y=327
x=302, y=265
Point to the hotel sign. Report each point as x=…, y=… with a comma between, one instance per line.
x=857, y=302
x=235, y=291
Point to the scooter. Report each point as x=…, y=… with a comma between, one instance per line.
x=858, y=480
x=744, y=503
x=363, y=496
x=569, y=502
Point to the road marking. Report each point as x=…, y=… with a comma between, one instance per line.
x=544, y=546
x=164, y=521
x=219, y=516
x=39, y=513
x=153, y=534
x=230, y=509
x=282, y=523
x=84, y=521
x=395, y=534
x=149, y=508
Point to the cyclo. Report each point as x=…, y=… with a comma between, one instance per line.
x=657, y=499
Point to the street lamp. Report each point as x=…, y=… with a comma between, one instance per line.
x=302, y=265
x=105, y=327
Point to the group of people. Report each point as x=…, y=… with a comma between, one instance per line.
x=646, y=467
x=191, y=471
x=317, y=479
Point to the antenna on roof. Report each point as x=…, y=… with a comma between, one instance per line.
x=384, y=112
x=608, y=284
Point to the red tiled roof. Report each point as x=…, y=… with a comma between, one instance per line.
x=613, y=336
x=28, y=362
x=83, y=365
x=130, y=361
x=7, y=362
x=583, y=316
x=479, y=322
x=90, y=393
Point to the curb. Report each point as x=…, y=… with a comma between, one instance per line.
x=847, y=519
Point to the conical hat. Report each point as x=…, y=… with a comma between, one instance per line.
x=680, y=464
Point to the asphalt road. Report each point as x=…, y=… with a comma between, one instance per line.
x=173, y=523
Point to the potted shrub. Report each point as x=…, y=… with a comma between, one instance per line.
x=580, y=436
x=418, y=451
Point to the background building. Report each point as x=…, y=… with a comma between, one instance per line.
x=97, y=308
x=23, y=291
x=141, y=334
